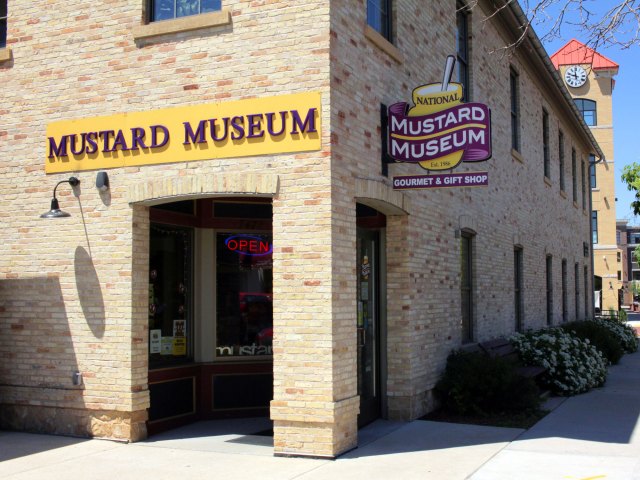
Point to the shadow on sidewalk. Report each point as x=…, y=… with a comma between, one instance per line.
x=20, y=444
x=608, y=415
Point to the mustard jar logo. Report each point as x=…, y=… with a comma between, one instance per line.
x=439, y=131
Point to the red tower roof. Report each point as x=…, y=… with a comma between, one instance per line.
x=575, y=52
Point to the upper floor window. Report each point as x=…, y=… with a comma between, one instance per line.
x=594, y=227
x=545, y=143
x=3, y=23
x=561, y=159
x=574, y=175
x=169, y=9
x=515, y=110
x=583, y=179
x=592, y=171
x=462, y=49
x=588, y=110
x=379, y=17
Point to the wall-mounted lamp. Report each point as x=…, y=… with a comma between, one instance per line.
x=76, y=379
x=55, y=211
x=102, y=181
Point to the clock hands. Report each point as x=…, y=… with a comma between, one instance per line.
x=575, y=76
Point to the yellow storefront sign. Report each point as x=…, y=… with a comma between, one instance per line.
x=257, y=126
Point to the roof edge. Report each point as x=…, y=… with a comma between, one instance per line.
x=551, y=69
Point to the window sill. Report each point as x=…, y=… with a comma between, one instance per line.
x=517, y=156
x=383, y=44
x=563, y=194
x=5, y=55
x=548, y=181
x=575, y=204
x=184, y=24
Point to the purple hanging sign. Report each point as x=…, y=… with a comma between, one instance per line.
x=439, y=131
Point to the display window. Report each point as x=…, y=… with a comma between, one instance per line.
x=244, y=279
x=170, y=316
x=210, y=282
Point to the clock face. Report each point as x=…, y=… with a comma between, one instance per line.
x=575, y=76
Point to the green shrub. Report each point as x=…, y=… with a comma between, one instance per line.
x=625, y=334
x=474, y=383
x=622, y=316
x=599, y=336
x=573, y=365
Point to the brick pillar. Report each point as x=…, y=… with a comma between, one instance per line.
x=405, y=388
x=315, y=405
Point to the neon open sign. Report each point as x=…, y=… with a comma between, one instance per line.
x=249, y=245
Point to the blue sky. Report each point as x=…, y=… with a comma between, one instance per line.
x=626, y=102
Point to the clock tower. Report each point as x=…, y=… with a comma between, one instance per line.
x=589, y=77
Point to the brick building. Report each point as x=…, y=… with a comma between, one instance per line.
x=590, y=80
x=628, y=239
x=241, y=243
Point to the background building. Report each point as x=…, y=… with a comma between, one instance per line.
x=629, y=239
x=252, y=252
x=626, y=259
x=589, y=78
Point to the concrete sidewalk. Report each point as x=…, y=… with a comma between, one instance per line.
x=594, y=435
x=588, y=436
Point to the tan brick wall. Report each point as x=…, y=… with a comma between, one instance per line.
x=73, y=292
x=519, y=207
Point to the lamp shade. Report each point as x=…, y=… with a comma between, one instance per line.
x=55, y=211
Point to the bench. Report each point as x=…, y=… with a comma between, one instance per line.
x=503, y=348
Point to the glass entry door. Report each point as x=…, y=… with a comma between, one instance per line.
x=368, y=325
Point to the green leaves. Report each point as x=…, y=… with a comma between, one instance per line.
x=631, y=176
